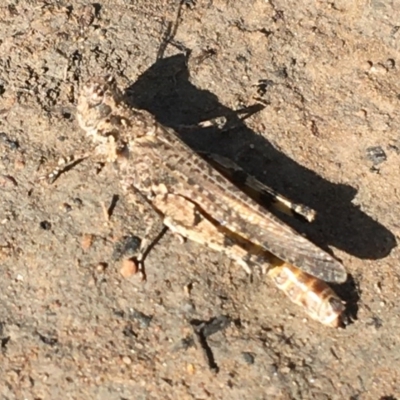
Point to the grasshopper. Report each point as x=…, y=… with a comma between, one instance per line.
x=196, y=201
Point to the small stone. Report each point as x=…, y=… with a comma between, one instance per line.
x=143, y=319
x=78, y=202
x=129, y=268
x=376, y=154
x=45, y=225
x=12, y=144
x=190, y=369
x=126, y=360
x=66, y=207
x=248, y=357
x=101, y=267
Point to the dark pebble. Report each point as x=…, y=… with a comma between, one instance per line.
x=376, y=154
x=248, y=357
x=46, y=225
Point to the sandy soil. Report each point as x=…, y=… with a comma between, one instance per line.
x=327, y=77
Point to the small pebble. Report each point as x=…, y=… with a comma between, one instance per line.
x=129, y=268
x=12, y=144
x=101, y=267
x=376, y=154
x=45, y=225
x=143, y=319
x=190, y=369
x=248, y=357
x=66, y=207
x=126, y=360
x=78, y=202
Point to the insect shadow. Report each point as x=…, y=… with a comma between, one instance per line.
x=165, y=91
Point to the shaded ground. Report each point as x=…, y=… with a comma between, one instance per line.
x=327, y=73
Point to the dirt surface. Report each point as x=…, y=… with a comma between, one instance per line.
x=324, y=80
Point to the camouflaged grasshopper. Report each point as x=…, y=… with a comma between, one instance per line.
x=195, y=200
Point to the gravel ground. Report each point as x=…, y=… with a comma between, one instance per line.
x=324, y=80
